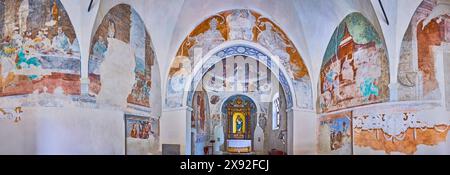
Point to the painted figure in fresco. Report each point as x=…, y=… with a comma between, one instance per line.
x=145, y=131
x=336, y=89
x=274, y=42
x=347, y=70
x=42, y=43
x=241, y=23
x=429, y=36
x=239, y=124
x=61, y=41
x=201, y=112
x=27, y=63
x=178, y=79
x=208, y=40
x=55, y=11
x=134, y=131
x=262, y=120
x=100, y=47
x=111, y=29
x=28, y=41
x=17, y=39
x=75, y=47
x=339, y=132
x=369, y=89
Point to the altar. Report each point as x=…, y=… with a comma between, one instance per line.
x=239, y=146
x=239, y=111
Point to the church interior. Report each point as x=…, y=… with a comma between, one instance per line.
x=237, y=77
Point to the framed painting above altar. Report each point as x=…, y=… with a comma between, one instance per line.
x=240, y=112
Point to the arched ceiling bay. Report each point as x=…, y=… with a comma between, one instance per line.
x=308, y=23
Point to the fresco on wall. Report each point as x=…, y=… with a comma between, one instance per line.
x=427, y=36
x=231, y=25
x=200, y=112
x=142, y=134
x=122, y=23
x=335, y=133
x=14, y=114
x=355, y=67
x=404, y=129
x=38, y=48
x=239, y=74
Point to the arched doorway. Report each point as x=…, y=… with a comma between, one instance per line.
x=232, y=105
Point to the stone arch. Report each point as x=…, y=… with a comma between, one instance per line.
x=237, y=25
x=355, y=68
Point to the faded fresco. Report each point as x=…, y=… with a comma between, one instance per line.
x=39, y=51
x=122, y=23
x=236, y=75
x=240, y=24
x=335, y=134
x=13, y=114
x=423, y=45
x=355, y=67
x=403, y=129
x=200, y=113
x=142, y=135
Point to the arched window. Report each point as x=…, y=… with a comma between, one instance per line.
x=276, y=118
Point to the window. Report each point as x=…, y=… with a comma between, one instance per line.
x=276, y=112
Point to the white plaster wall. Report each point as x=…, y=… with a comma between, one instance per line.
x=18, y=138
x=70, y=130
x=174, y=129
x=304, y=125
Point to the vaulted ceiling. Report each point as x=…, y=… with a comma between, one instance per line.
x=309, y=24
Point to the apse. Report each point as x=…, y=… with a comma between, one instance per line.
x=237, y=109
x=123, y=71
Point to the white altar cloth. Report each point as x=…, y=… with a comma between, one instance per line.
x=239, y=143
